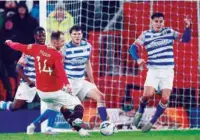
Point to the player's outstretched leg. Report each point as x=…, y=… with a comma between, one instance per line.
x=74, y=118
x=30, y=130
x=77, y=118
x=139, y=113
x=5, y=105
x=44, y=116
x=12, y=106
x=100, y=99
x=159, y=110
x=102, y=111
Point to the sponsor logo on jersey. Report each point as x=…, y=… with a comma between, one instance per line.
x=79, y=60
x=161, y=42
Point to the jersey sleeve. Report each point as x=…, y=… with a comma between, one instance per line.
x=27, y=49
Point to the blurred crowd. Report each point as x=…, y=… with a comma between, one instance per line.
x=17, y=22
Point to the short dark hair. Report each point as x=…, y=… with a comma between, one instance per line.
x=56, y=35
x=38, y=29
x=154, y=15
x=75, y=28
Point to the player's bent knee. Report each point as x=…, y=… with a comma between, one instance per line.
x=146, y=98
x=66, y=112
x=101, y=98
x=79, y=108
x=164, y=100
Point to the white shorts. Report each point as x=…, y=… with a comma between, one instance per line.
x=24, y=92
x=55, y=100
x=162, y=78
x=81, y=87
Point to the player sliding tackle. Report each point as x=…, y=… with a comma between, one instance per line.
x=158, y=43
x=51, y=80
x=58, y=44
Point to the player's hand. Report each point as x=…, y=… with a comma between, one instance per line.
x=7, y=42
x=31, y=84
x=67, y=88
x=140, y=62
x=188, y=22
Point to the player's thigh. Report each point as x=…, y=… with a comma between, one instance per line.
x=95, y=94
x=54, y=106
x=55, y=100
x=76, y=85
x=151, y=79
x=48, y=97
x=86, y=89
x=166, y=82
x=24, y=92
x=67, y=99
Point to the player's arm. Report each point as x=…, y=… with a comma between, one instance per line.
x=20, y=71
x=27, y=49
x=186, y=36
x=134, y=49
x=89, y=71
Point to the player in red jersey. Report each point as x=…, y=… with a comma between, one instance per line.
x=51, y=79
x=48, y=65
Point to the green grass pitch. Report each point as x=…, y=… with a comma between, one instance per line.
x=129, y=135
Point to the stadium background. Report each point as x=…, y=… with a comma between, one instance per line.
x=111, y=27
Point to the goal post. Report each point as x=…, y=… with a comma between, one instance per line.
x=111, y=27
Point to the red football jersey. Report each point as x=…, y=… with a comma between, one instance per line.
x=50, y=74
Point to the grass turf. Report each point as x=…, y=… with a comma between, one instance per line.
x=129, y=135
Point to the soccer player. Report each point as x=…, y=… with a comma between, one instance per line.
x=58, y=44
x=158, y=43
x=76, y=62
x=51, y=80
x=26, y=70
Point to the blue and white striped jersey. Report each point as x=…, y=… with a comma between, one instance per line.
x=159, y=46
x=75, y=58
x=28, y=66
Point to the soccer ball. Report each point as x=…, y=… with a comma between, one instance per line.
x=107, y=128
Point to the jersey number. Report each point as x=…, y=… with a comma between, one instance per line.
x=44, y=69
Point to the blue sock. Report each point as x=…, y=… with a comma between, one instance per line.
x=142, y=106
x=102, y=112
x=159, y=111
x=47, y=114
x=5, y=105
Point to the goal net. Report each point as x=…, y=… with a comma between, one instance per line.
x=111, y=27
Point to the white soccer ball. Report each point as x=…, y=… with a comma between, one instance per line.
x=107, y=128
